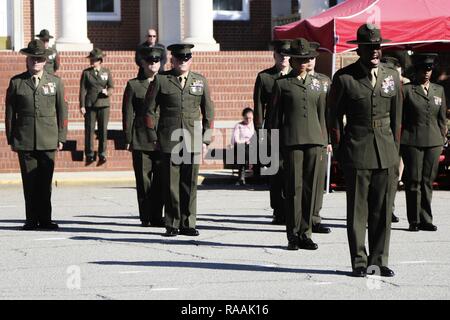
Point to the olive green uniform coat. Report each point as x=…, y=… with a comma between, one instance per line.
x=262, y=94
x=191, y=109
x=146, y=157
x=53, y=62
x=424, y=127
x=368, y=150
x=322, y=161
x=298, y=111
x=36, y=120
x=97, y=106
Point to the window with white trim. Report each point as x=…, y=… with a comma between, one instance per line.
x=231, y=9
x=103, y=10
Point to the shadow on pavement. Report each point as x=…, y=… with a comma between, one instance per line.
x=107, y=217
x=63, y=228
x=199, y=218
x=233, y=186
x=218, y=266
x=178, y=241
x=268, y=216
x=334, y=219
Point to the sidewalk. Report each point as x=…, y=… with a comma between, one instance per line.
x=206, y=177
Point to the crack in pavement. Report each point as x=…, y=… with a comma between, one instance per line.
x=20, y=251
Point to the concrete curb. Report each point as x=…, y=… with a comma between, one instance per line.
x=125, y=178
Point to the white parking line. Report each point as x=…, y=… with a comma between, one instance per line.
x=50, y=239
x=413, y=262
x=133, y=272
x=323, y=283
x=164, y=289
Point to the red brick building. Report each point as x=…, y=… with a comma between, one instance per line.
x=231, y=36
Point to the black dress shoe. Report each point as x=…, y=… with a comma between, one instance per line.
x=307, y=244
x=292, y=245
x=90, y=159
x=158, y=223
x=29, y=226
x=278, y=221
x=427, y=227
x=359, y=272
x=413, y=227
x=386, y=272
x=101, y=160
x=48, y=226
x=191, y=232
x=320, y=228
x=171, y=232
x=145, y=224
x=395, y=219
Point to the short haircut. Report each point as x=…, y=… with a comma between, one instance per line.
x=246, y=110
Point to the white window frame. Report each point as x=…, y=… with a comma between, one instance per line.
x=228, y=15
x=106, y=16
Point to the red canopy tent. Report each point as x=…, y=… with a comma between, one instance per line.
x=410, y=23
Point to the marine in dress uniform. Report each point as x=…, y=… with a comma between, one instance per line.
x=394, y=63
x=368, y=94
x=146, y=155
x=96, y=88
x=424, y=128
x=36, y=126
x=261, y=97
x=53, y=61
x=316, y=220
x=184, y=104
x=297, y=109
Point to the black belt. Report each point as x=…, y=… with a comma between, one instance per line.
x=375, y=123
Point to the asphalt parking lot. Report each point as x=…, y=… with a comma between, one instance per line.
x=101, y=252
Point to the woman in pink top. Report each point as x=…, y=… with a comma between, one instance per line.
x=242, y=135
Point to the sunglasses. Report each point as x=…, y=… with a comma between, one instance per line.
x=152, y=60
x=426, y=67
x=183, y=57
x=38, y=59
x=151, y=36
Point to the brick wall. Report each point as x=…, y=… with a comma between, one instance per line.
x=28, y=20
x=254, y=34
x=231, y=76
x=118, y=35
